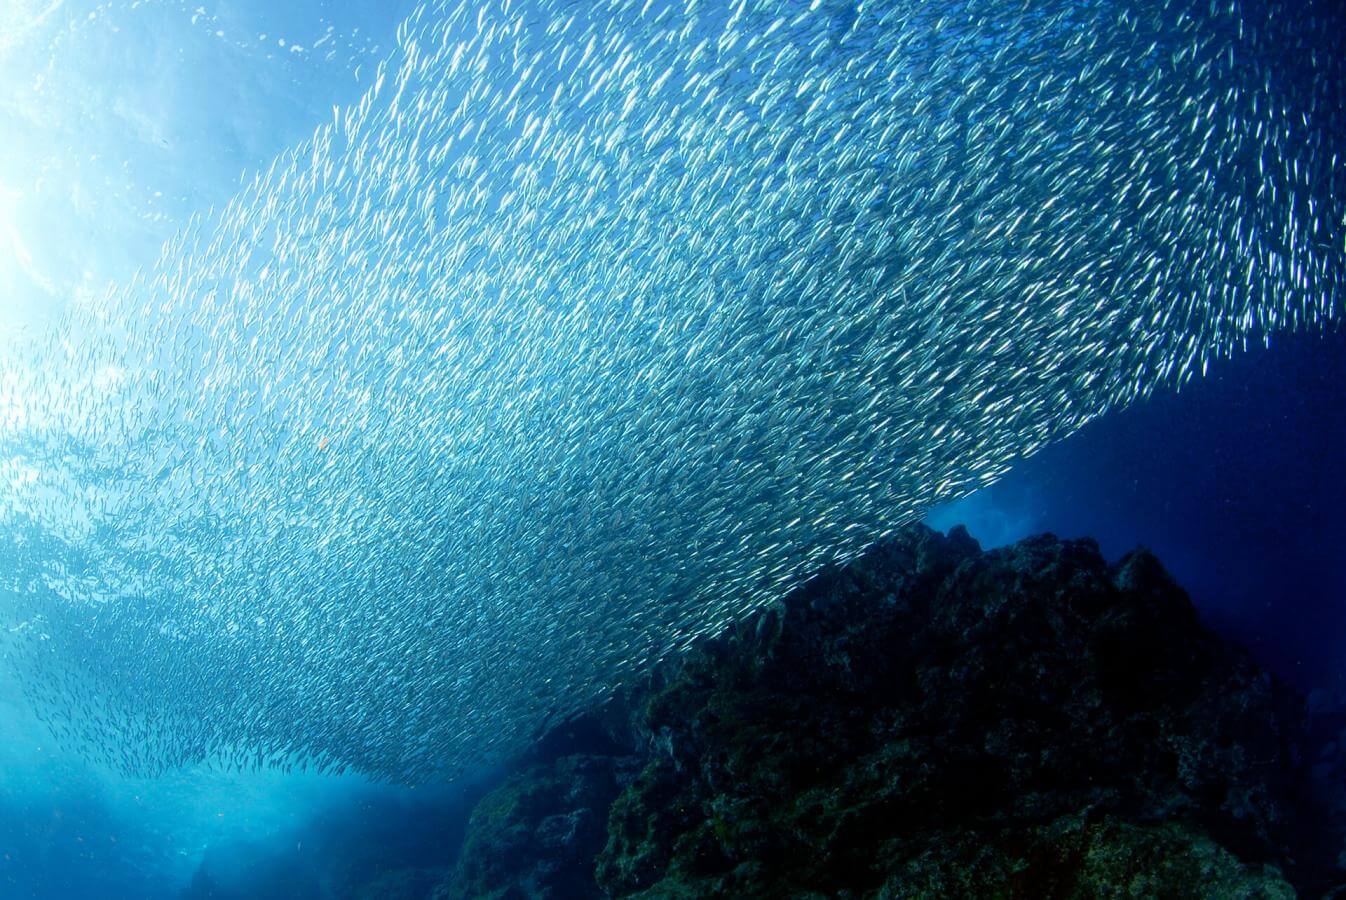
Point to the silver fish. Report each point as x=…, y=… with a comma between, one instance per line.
x=595, y=326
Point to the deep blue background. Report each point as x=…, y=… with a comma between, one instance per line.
x=1238, y=483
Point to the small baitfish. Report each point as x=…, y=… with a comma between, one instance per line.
x=594, y=326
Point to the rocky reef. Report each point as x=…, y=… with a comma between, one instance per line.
x=932, y=720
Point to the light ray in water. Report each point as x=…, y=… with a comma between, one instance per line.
x=595, y=325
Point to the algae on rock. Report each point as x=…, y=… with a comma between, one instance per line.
x=932, y=721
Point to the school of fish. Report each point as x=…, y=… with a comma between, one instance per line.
x=595, y=325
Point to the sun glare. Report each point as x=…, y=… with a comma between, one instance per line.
x=9, y=267
x=22, y=283
x=19, y=18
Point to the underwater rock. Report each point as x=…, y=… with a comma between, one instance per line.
x=537, y=834
x=1073, y=859
x=400, y=884
x=593, y=327
x=932, y=720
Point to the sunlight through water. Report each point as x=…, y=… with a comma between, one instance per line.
x=582, y=330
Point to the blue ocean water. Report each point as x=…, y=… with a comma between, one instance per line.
x=1234, y=483
x=121, y=122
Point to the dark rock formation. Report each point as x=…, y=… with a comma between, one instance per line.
x=932, y=721
x=537, y=835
